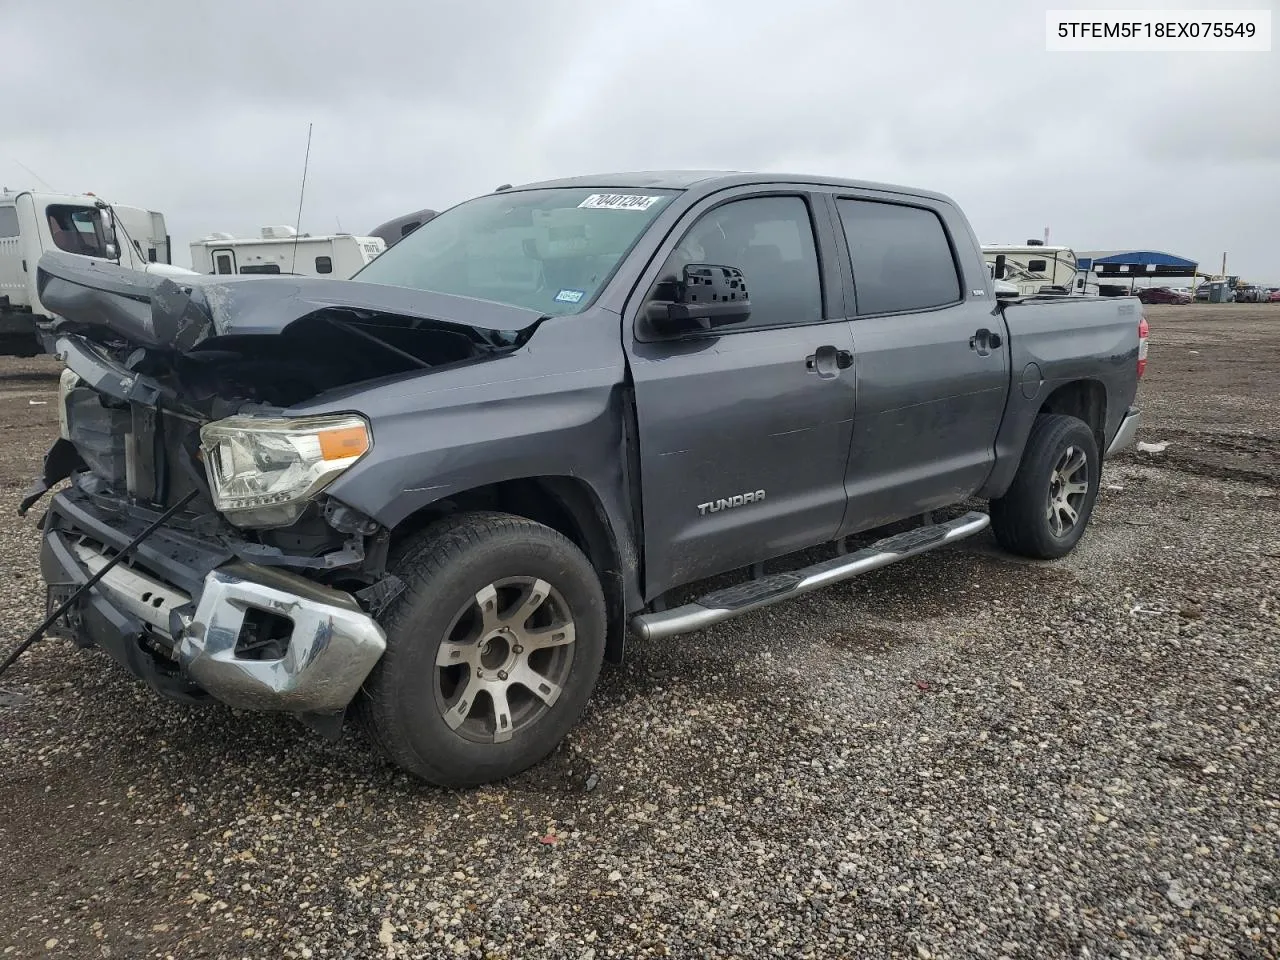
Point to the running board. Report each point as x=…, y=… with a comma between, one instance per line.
x=732, y=601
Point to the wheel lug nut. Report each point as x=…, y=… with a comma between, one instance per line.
x=502, y=674
x=518, y=649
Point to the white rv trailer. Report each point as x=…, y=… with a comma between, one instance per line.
x=1036, y=268
x=281, y=250
x=80, y=224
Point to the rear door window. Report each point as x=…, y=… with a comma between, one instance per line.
x=902, y=257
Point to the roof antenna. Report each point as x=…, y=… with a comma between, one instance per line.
x=302, y=192
x=34, y=174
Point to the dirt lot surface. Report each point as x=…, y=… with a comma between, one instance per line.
x=964, y=755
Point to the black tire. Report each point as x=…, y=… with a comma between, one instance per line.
x=404, y=702
x=1021, y=518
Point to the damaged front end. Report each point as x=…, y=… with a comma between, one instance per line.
x=264, y=591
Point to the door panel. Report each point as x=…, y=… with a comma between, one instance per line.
x=932, y=380
x=33, y=229
x=736, y=416
x=743, y=435
x=929, y=408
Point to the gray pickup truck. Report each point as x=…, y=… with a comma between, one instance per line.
x=437, y=496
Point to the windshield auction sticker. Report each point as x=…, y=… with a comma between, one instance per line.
x=618, y=201
x=1170, y=31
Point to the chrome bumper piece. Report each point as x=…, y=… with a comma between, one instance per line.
x=331, y=648
x=1128, y=431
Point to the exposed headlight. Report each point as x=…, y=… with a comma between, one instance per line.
x=263, y=471
x=66, y=383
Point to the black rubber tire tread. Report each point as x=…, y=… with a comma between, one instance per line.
x=433, y=565
x=1018, y=518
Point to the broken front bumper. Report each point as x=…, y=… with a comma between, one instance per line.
x=185, y=632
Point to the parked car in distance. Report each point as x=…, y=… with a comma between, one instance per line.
x=1162, y=295
x=438, y=495
x=1250, y=293
x=1275, y=296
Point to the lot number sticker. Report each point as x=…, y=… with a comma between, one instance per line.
x=617, y=201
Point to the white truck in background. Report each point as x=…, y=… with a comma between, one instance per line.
x=80, y=224
x=147, y=231
x=282, y=250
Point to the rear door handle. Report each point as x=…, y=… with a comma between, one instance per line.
x=984, y=341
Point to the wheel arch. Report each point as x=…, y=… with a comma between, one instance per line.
x=1084, y=399
x=567, y=505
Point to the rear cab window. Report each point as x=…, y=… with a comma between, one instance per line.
x=902, y=257
x=8, y=222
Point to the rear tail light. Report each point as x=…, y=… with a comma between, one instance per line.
x=1143, y=332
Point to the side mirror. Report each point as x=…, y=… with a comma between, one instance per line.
x=108, y=220
x=707, y=296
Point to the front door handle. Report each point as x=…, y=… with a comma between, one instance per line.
x=827, y=361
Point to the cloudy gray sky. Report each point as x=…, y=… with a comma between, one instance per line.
x=200, y=110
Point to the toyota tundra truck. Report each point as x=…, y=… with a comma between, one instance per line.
x=434, y=498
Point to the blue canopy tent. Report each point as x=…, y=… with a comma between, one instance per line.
x=1135, y=263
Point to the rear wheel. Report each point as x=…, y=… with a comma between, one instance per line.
x=492, y=650
x=1047, y=507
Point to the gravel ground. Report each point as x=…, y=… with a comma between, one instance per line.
x=965, y=755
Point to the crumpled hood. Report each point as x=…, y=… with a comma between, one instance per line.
x=161, y=313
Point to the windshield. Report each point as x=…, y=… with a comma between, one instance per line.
x=547, y=250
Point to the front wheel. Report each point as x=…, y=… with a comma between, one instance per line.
x=492, y=650
x=1047, y=507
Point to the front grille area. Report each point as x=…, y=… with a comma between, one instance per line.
x=135, y=450
x=179, y=442
x=98, y=433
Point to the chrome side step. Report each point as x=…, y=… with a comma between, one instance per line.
x=730, y=602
